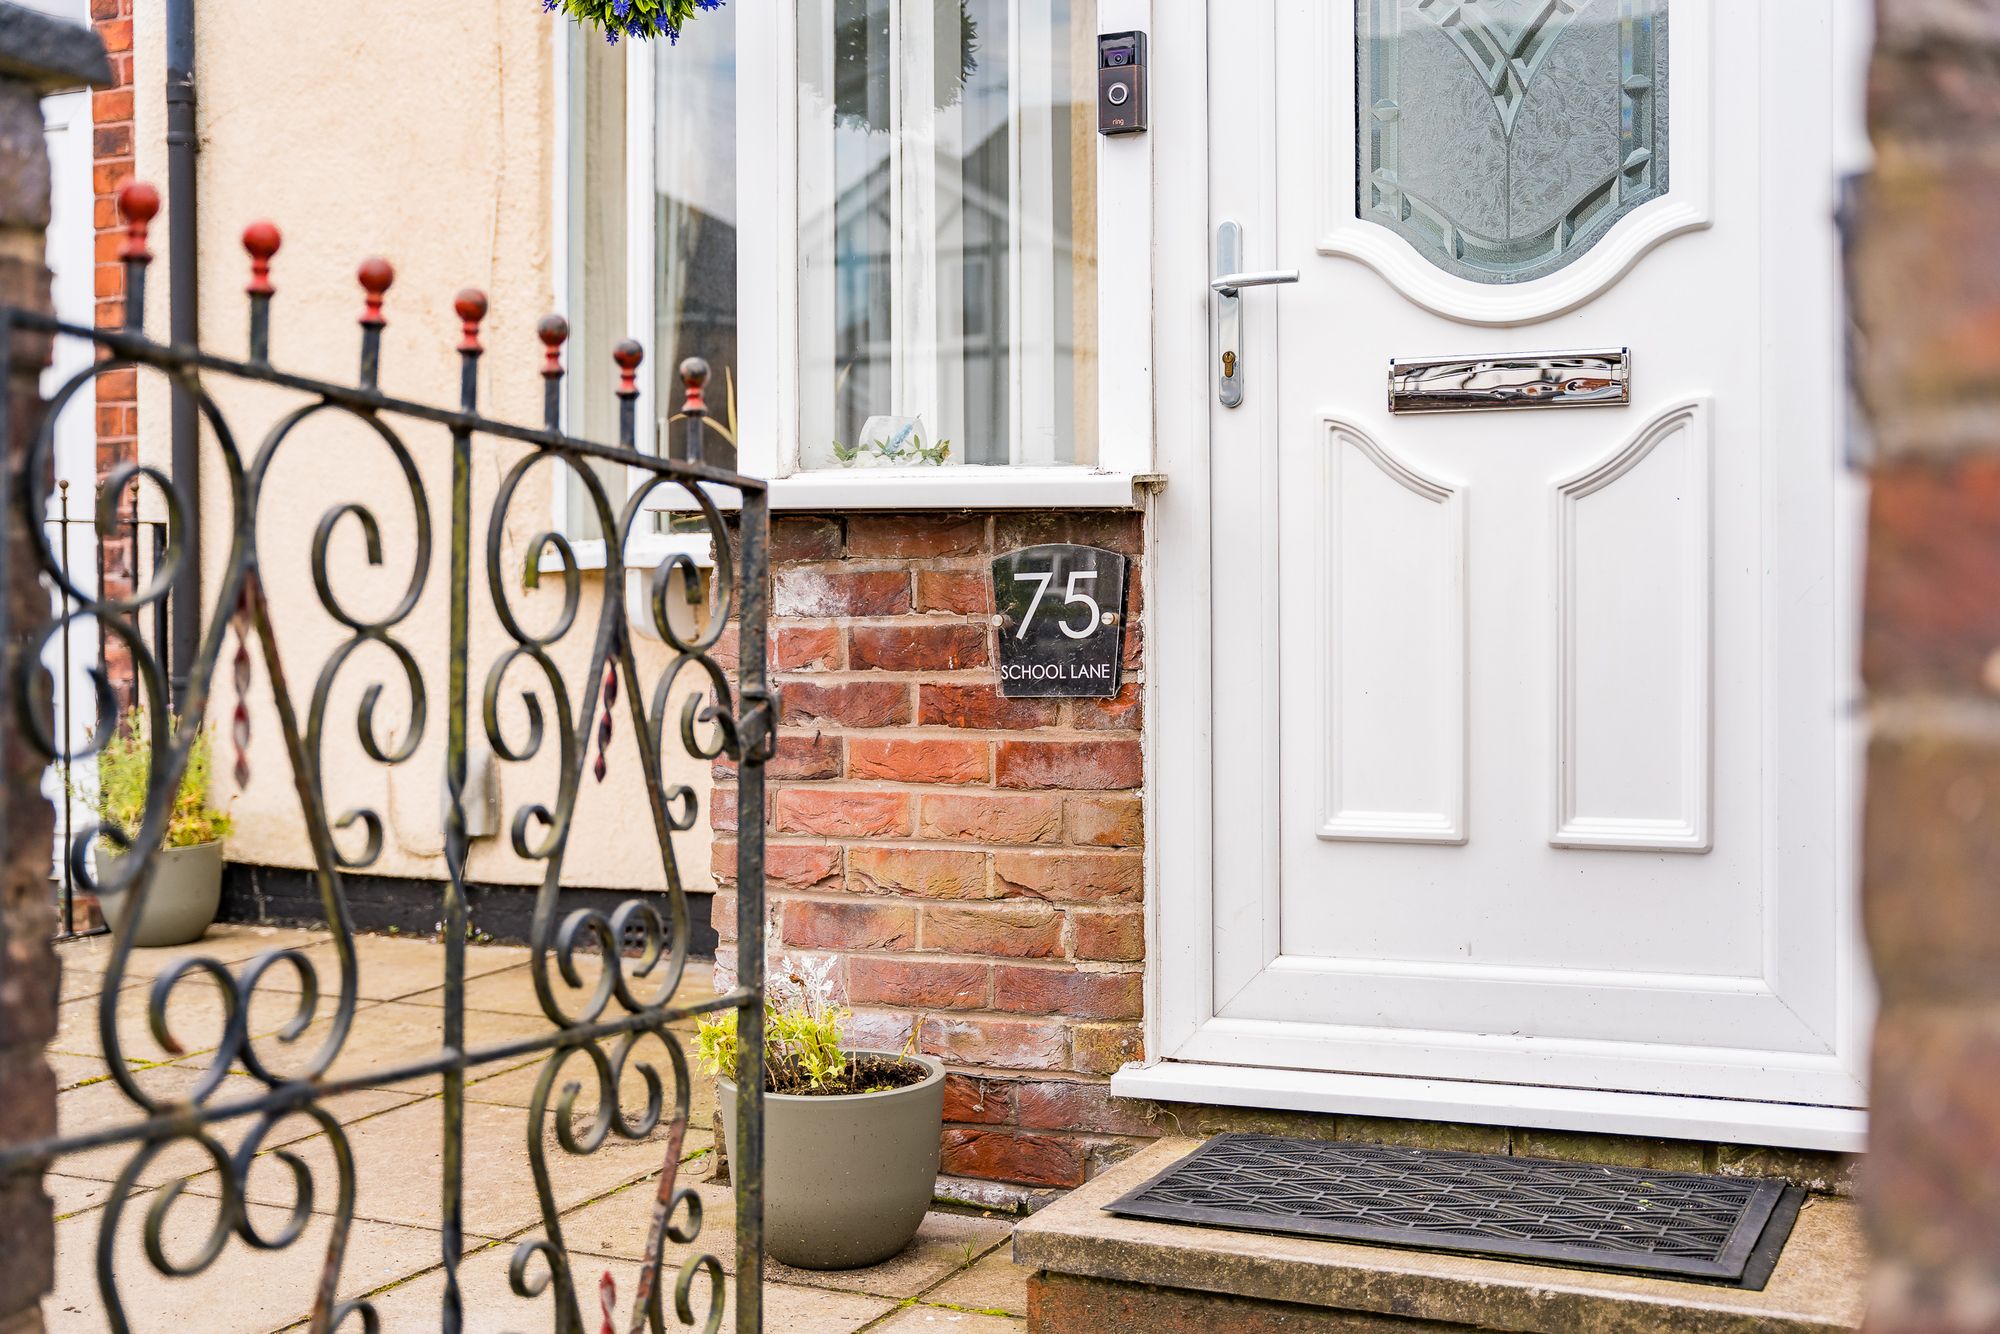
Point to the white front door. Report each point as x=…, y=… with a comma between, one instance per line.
x=1529, y=760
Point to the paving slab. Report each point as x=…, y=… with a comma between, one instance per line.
x=945, y=1243
x=491, y=1304
x=387, y=1034
x=195, y=1013
x=1819, y=1284
x=225, y=942
x=245, y=1291
x=941, y=1319
x=996, y=1285
x=516, y=1087
x=513, y=991
x=74, y=1195
x=79, y=983
x=77, y=1071
x=393, y=967
x=104, y=1104
x=399, y=1169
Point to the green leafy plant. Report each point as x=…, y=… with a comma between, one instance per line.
x=124, y=780
x=803, y=1053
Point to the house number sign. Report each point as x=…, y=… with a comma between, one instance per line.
x=1061, y=614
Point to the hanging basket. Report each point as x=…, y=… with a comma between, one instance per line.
x=638, y=19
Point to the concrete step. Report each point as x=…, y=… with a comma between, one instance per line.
x=1091, y=1272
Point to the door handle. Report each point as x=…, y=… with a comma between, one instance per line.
x=1229, y=309
x=1230, y=283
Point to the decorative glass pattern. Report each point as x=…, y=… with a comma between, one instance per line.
x=1503, y=138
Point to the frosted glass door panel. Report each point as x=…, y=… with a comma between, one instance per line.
x=1504, y=138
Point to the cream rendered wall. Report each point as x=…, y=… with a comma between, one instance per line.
x=410, y=132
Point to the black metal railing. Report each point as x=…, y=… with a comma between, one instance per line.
x=130, y=557
x=634, y=999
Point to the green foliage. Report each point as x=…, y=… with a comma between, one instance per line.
x=802, y=1051
x=124, y=778
x=633, y=18
x=802, y=1019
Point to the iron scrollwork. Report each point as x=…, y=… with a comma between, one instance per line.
x=602, y=1030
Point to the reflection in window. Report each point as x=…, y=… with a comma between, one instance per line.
x=947, y=211
x=693, y=272
x=597, y=265
x=694, y=177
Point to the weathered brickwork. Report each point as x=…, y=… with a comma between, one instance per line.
x=1926, y=293
x=27, y=917
x=975, y=861
x=112, y=129
x=28, y=968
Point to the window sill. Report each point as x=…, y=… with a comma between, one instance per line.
x=960, y=488
x=643, y=551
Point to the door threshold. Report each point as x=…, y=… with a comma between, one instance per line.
x=1534, y=1107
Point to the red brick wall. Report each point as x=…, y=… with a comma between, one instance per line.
x=975, y=861
x=1925, y=285
x=117, y=391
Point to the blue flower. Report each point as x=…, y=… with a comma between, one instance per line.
x=621, y=7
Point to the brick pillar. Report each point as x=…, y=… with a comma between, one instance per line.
x=37, y=55
x=1925, y=283
x=976, y=862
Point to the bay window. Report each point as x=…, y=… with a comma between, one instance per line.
x=878, y=221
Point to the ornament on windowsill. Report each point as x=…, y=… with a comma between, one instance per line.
x=638, y=19
x=892, y=442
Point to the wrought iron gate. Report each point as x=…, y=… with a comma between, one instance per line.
x=641, y=947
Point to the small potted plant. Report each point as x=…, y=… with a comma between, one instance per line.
x=850, y=1137
x=187, y=871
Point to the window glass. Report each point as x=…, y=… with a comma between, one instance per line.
x=947, y=216
x=694, y=179
x=693, y=270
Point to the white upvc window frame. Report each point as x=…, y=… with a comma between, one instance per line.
x=769, y=300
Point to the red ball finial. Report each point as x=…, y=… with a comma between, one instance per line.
x=694, y=379
x=628, y=355
x=554, y=332
x=262, y=240
x=377, y=276
x=471, y=308
x=138, y=204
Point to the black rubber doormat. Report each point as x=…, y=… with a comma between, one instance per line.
x=1686, y=1225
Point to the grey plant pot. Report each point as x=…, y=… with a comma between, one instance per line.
x=847, y=1180
x=187, y=890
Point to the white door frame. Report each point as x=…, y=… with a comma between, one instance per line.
x=1181, y=922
